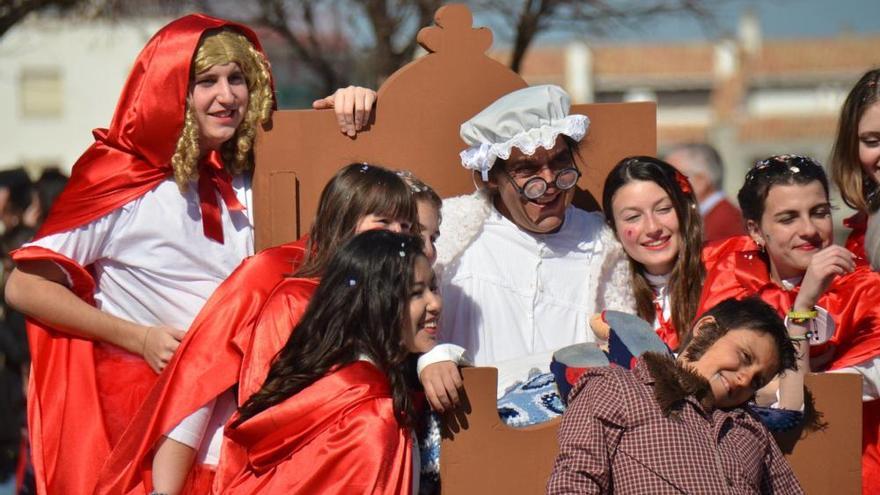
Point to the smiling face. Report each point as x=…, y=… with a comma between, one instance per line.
x=375, y=221
x=869, y=141
x=647, y=225
x=420, y=333
x=795, y=225
x=546, y=213
x=219, y=99
x=738, y=364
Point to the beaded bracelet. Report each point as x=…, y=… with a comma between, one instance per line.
x=801, y=317
x=801, y=338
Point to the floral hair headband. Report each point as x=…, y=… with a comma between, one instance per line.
x=415, y=185
x=792, y=164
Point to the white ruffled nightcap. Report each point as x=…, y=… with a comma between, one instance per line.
x=524, y=119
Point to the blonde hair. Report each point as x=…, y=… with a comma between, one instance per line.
x=858, y=190
x=219, y=48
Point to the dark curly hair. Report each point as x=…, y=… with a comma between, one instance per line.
x=751, y=314
x=774, y=171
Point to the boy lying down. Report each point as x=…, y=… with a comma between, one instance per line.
x=738, y=346
x=658, y=427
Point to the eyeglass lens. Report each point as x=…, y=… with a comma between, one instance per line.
x=535, y=187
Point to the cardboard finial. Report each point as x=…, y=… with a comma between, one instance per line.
x=454, y=32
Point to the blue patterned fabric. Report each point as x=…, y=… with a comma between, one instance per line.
x=531, y=402
x=777, y=420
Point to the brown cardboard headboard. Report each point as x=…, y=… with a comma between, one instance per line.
x=483, y=455
x=415, y=127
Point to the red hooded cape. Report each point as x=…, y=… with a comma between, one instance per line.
x=336, y=437
x=736, y=268
x=217, y=353
x=69, y=437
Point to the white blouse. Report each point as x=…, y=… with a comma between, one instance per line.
x=513, y=298
x=153, y=265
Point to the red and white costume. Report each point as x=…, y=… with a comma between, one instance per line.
x=736, y=268
x=663, y=309
x=219, y=351
x=134, y=246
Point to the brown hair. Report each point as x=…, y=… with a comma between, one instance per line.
x=750, y=313
x=779, y=170
x=357, y=190
x=685, y=281
x=857, y=189
x=421, y=192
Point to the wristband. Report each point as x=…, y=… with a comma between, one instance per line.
x=800, y=338
x=801, y=317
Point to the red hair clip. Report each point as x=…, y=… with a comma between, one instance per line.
x=683, y=183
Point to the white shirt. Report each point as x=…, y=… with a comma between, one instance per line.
x=514, y=297
x=153, y=265
x=151, y=260
x=660, y=285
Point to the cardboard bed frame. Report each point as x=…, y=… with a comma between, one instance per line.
x=481, y=454
x=415, y=126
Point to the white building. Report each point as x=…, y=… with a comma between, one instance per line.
x=59, y=79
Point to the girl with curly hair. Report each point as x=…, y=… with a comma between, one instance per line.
x=156, y=214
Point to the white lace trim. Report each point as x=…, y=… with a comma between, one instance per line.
x=482, y=157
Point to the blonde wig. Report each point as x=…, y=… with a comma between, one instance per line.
x=219, y=48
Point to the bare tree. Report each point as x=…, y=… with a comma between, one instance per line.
x=365, y=41
x=528, y=19
x=13, y=11
x=339, y=38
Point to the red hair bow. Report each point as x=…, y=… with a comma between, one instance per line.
x=683, y=182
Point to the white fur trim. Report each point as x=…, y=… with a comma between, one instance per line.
x=463, y=218
x=613, y=278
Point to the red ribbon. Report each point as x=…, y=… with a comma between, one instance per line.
x=666, y=331
x=683, y=182
x=214, y=177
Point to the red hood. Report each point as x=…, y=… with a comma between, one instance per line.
x=133, y=155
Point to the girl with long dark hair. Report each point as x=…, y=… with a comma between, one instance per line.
x=182, y=420
x=653, y=212
x=334, y=413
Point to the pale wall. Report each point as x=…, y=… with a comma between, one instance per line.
x=94, y=59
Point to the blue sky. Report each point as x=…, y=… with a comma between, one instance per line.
x=779, y=19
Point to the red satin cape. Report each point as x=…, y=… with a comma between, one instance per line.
x=70, y=436
x=336, y=437
x=738, y=270
x=209, y=361
x=855, y=241
x=281, y=313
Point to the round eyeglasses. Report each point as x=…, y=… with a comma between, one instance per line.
x=535, y=187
